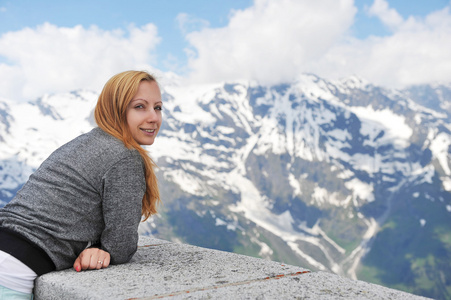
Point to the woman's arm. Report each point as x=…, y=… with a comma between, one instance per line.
x=123, y=190
x=123, y=187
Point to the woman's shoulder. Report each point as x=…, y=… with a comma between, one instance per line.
x=94, y=145
x=100, y=140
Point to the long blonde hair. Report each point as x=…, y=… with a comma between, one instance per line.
x=110, y=116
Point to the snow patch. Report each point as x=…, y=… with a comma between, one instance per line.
x=322, y=196
x=422, y=222
x=360, y=190
x=225, y=130
x=187, y=182
x=425, y=174
x=295, y=185
x=446, y=181
x=345, y=174
x=265, y=250
x=439, y=147
x=374, y=122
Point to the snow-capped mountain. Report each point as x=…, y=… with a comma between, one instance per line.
x=340, y=176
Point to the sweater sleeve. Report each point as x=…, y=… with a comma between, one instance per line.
x=123, y=190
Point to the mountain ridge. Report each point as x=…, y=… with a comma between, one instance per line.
x=315, y=173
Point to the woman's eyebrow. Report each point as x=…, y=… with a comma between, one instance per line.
x=137, y=99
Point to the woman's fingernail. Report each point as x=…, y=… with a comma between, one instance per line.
x=77, y=269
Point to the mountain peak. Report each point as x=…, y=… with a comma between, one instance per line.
x=341, y=176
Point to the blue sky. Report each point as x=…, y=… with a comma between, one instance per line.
x=183, y=32
x=109, y=15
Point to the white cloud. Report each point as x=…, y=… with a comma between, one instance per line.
x=389, y=16
x=270, y=41
x=274, y=41
x=54, y=59
x=416, y=52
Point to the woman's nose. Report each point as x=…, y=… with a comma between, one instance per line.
x=152, y=115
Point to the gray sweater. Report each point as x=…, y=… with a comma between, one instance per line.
x=89, y=190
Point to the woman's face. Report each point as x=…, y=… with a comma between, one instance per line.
x=144, y=113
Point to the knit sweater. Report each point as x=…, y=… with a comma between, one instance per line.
x=90, y=190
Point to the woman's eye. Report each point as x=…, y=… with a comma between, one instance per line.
x=159, y=108
x=139, y=106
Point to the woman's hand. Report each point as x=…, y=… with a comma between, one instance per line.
x=92, y=258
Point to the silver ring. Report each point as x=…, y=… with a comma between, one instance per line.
x=100, y=262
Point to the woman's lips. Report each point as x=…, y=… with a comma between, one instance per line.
x=148, y=131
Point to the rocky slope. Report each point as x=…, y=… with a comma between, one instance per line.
x=341, y=176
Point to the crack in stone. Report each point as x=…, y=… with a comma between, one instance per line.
x=215, y=287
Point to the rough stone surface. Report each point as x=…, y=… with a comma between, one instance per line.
x=164, y=270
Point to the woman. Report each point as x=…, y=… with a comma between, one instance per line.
x=83, y=205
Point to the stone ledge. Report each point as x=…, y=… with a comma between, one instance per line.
x=165, y=270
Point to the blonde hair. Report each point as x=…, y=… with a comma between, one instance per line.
x=110, y=116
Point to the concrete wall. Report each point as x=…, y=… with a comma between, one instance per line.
x=165, y=270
